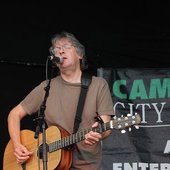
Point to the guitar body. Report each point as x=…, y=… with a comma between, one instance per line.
x=60, y=159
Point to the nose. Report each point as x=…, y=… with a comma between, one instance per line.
x=61, y=50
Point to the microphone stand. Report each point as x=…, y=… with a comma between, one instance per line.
x=42, y=125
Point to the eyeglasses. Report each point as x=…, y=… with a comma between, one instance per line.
x=63, y=47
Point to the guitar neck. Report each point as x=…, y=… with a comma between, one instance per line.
x=76, y=137
x=117, y=123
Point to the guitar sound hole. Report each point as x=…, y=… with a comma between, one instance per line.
x=40, y=151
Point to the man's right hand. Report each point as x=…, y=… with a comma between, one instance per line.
x=22, y=154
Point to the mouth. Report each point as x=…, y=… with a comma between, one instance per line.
x=64, y=58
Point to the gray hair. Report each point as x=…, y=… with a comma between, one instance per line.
x=80, y=49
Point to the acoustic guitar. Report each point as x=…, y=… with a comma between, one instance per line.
x=58, y=141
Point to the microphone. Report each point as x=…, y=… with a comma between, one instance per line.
x=58, y=60
x=53, y=57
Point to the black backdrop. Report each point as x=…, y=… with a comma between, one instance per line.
x=116, y=35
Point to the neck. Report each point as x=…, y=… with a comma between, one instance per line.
x=72, y=76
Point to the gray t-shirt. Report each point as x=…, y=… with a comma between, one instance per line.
x=61, y=107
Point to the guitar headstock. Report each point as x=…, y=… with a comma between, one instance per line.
x=125, y=121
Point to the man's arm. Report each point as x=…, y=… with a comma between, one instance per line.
x=14, y=118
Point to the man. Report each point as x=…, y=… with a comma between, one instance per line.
x=62, y=103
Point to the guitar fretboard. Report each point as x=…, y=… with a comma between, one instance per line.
x=76, y=137
x=118, y=123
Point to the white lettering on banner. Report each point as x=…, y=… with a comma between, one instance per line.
x=141, y=166
x=143, y=107
x=167, y=147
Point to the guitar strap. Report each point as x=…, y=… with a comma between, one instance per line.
x=85, y=82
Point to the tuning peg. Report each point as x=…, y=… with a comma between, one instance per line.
x=130, y=129
x=129, y=114
x=133, y=122
x=123, y=131
x=137, y=127
x=114, y=117
x=126, y=118
x=126, y=124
